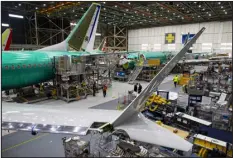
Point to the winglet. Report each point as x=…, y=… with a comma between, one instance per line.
x=6, y=39
x=82, y=36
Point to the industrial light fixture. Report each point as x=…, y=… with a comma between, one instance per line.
x=154, y=12
x=199, y=6
x=221, y=7
x=36, y=8
x=168, y=11
x=170, y=19
x=16, y=16
x=44, y=5
x=127, y=9
x=15, y=6
x=195, y=2
x=219, y=2
x=182, y=17
x=177, y=5
x=72, y=24
x=98, y=34
x=115, y=6
x=187, y=11
x=104, y=2
x=198, y=16
x=82, y=8
x=225, y=12
x=161, y=7
x=203, y=9
x=129, y=3
x=19, y=4
x=5, y=25
x=64, y=13
x=73, y=11
x=76, y=15
x=209, y=14
x=142, y=14
x=104, y=8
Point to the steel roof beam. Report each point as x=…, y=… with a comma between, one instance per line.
x=193, y=10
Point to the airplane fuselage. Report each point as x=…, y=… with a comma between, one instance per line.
x=25, y=68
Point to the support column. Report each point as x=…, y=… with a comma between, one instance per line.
x=36, y=29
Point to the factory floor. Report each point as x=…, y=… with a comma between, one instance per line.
x=23, y=144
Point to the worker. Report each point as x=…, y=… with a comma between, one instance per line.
x=141, y=60
x=105, y=90
x=94, y=88
x=136, y=87
x=139, y=88
x=175, y=80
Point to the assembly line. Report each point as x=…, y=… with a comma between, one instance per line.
x=113, y=102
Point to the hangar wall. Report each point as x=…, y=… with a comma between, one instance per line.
x=216, y=38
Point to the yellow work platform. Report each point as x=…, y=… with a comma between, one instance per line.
x=211, y=143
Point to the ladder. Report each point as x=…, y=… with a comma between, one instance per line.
x=134, y=75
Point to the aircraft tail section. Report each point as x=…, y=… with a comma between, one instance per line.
x=6, y=39
x=82, y=36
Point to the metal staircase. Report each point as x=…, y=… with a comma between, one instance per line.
x=134, y=75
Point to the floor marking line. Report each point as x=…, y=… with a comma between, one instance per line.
x=24, y=142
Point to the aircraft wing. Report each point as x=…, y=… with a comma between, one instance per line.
x=43, y=118
x=142, y=129
x=52, y=119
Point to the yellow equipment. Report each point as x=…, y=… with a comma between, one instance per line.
x=157, y=100
x=211, y=143
x=153, y=108
x=203, y=153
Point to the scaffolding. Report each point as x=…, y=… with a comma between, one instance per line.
x=70, y=78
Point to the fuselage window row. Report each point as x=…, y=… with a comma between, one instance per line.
x=29, y=66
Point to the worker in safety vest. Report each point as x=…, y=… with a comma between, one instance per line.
x=175, y=80
x=141, y=60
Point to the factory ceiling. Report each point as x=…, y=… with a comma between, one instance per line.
x=129, y=14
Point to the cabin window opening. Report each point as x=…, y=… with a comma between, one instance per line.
x=6, y=67
x=34, y=65
x=29, y=66
x=13, y=67
x=18, y=66
x=24, y=66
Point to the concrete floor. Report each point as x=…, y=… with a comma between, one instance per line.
x=23, y=144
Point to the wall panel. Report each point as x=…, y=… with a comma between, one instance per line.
x=215, y=33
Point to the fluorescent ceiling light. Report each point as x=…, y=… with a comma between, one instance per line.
x=5, y=25
x=72, y=24
x=98, y=34
x=16, y=16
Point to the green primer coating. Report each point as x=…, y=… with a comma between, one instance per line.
x=25, y=68
x=149, y=55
